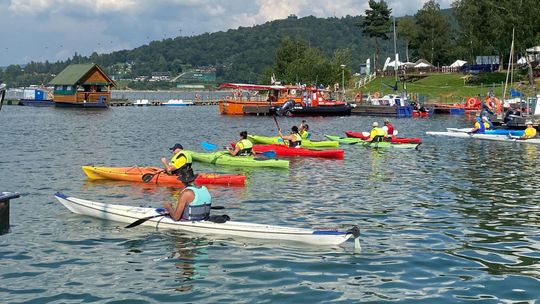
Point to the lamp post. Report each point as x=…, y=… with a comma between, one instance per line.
x=343, y=79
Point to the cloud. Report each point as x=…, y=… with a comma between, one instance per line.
x=95, y=6
x=85, y=26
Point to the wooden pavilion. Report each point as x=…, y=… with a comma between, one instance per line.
x=82, y=86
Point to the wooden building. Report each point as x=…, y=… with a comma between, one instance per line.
x=82, y=86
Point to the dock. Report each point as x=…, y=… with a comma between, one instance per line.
x=153, y=103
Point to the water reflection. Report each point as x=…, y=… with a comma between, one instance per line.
x=188, y=252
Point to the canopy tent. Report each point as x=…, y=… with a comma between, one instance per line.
x=458, y=63
x=423, y=65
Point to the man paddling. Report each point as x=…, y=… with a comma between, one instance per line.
x=377, y=134
x=180, y=160
x=193, y=203
x=530, y=132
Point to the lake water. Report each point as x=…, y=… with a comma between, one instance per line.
x=457, y=221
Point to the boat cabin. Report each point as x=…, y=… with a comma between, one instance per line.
x=82, y=85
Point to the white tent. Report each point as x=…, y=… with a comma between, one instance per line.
x=458, y=63
x=423, y=65
x=393, y=63
x=386, y=63
x=522, y=60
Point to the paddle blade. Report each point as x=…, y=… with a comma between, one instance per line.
x=269, y=154
x=144, y=219
x=208, y=146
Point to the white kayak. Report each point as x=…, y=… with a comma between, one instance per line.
x=505, y=138
x=129, y=214
x=489, y=132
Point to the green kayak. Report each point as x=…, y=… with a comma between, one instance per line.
x=256, y=139
x=360, y=142
x=223, y=158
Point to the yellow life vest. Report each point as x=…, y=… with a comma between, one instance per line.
x=181, y=159
x=245, y=146
x=530, y=132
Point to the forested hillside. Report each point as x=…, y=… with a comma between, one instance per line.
x=250, y=54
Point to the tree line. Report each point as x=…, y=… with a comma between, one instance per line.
x=313, y=50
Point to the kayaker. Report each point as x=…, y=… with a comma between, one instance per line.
x=243, y=147
x=377, y=134
x=193, y=203
x=487, y=123
x=294, y=139
x=479, y=126
x=388, y=127
x=530, y=132
x=304, y=130
x=179, y=161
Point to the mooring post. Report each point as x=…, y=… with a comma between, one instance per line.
x=4, y=210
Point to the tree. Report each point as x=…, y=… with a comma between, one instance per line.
x=377, y=24
x=488, y=25
x=433, y=40
x=407, y=30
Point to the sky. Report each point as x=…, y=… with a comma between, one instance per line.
x=39, y=30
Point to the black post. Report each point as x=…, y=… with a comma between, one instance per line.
x=4, y=210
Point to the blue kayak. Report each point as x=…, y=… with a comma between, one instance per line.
x=490, y=132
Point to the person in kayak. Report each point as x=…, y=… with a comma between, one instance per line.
x=487, y=123
x=243, y=147
x=193, y=203
x=389, y=128
x=479, y=126
x=294, y=139
x=179, y=162
x=377, y=134
x=530, y=132
x=304, y=130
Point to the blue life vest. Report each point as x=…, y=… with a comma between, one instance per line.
x=482, y=128
x=199, y=208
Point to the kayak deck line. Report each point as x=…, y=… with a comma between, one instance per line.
x=128, y=214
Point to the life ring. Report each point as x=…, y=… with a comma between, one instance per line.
x=471, y=102
x=357, y=97
x=490, y=103
x=293, y=92
x=376, y=95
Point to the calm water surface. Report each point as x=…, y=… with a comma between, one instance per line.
x=457, y=221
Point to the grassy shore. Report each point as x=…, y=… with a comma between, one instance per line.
x=446, y=88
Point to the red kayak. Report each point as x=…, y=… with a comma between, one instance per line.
x=283, y=150
x=402, y=140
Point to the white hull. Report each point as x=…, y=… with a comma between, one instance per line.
x=128, y=214
x=485, y=137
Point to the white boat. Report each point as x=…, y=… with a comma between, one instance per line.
x=141, y=102
x=389, y=100
x=177, y=103
x=129, y=214
x=489, y=132
x=505, y=138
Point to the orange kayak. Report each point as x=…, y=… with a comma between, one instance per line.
x=135, y=174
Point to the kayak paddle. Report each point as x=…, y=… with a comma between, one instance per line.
x=149, y=176
x=144, y=219
x=208, y=146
